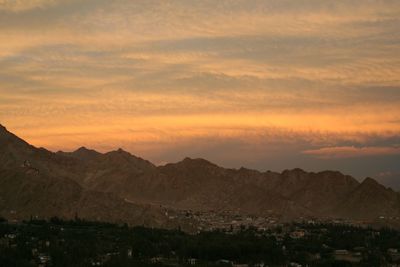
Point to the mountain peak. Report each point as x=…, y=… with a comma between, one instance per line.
x=122, y=157
x=370, y=182
x=84, y=153
x=81, y=149
x=196, y=161
x=10, y=138
x=295, y=171
x=85, y=150
x=3, y=130
x=120, y=151
x=192, y=163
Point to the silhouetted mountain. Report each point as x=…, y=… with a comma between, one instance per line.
x=36, y=182
x=82, y=153
x=369, y=200
x=97, y=185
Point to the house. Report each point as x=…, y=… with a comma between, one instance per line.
x=44, y=259
x=341, y=252
x=297, y=234
x=11, y=236
x=156, y=259
x=192, y=261
x=345, y=255
x=225, y=262
x=129, y=253
x=393, y=254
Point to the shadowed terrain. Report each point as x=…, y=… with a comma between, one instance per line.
x=120, y=187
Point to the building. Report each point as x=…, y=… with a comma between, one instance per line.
x=192, y=261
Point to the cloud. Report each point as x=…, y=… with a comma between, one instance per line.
x=164, y=77
x=24, y=5
x=352, y=152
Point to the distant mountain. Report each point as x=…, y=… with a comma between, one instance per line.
x=119, y=186
x=38, y=183
x=369, y=200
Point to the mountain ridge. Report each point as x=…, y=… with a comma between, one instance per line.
x=190, y=184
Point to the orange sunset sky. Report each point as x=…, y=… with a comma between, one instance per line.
x=269, y=84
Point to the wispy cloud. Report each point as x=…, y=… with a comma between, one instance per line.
x=24, y=5
x=163, y=77
x=351, y=152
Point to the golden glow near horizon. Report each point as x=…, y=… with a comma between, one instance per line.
x=306, y=81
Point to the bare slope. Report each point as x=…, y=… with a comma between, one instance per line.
x=96, y=184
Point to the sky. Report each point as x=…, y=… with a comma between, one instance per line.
x=264, y=84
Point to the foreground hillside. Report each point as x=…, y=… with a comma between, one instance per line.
x=120, y=187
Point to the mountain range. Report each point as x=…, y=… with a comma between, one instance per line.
x=120, y=187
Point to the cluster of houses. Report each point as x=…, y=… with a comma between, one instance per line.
x=192, y=261
x=41, y=258
x=224, y=220
x=229, y=221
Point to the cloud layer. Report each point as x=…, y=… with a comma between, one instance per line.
x=258, y=82
x=351, y=151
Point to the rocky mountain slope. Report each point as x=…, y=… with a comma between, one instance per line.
x=38, y=183
x=106, y=186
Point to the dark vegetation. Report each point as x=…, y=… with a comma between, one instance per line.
x=83, y=243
